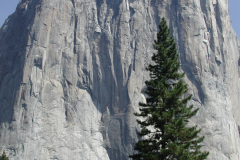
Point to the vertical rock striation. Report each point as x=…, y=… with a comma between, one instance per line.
x=72, y=72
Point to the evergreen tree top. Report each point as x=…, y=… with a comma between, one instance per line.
x=4, y=157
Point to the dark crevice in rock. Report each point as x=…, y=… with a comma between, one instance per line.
x=38, y=62
x=75, y=34
x=73, y=3
x=218, y=61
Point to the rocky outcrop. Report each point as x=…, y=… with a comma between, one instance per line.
x=72, y=72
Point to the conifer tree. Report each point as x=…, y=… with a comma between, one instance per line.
x=164, y=131
x=4, y=157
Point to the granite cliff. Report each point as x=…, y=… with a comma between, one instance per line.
x=72, y=74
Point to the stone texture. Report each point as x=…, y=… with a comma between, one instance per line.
x=72, y=72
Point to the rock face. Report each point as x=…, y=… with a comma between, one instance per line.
x=72, y=72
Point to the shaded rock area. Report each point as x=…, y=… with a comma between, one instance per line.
x=72, y=74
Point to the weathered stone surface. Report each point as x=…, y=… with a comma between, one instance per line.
x=72, y=72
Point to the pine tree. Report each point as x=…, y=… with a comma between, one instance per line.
x=4, y=157
x=164, y=131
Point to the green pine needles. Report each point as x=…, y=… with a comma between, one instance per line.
x=164, y=131
x=4, y=157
